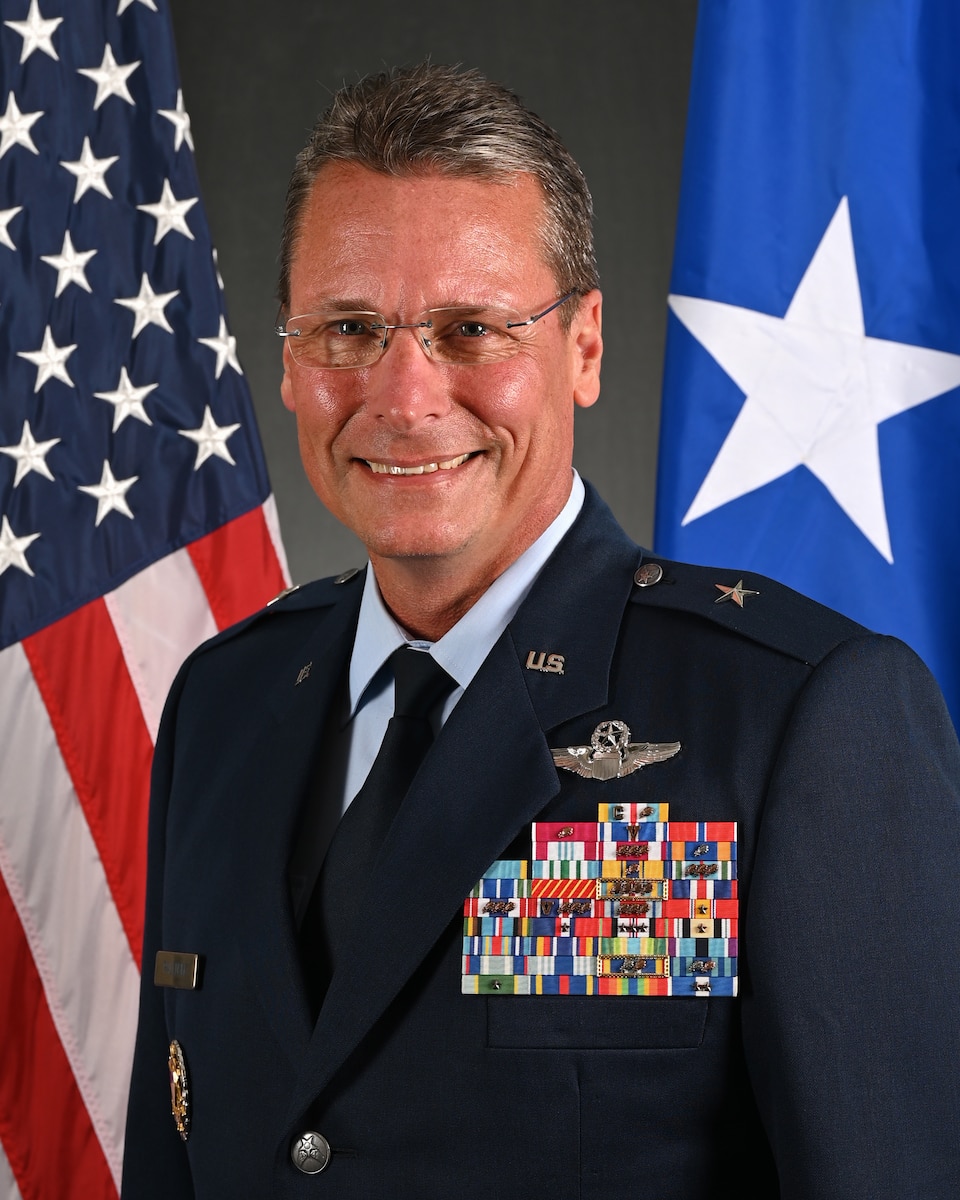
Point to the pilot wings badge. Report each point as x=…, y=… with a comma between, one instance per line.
x=611, y=754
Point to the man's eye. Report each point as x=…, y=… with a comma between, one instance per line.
x=471, y=329
x=350, y=326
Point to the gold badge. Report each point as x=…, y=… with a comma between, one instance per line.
x=179, y=1090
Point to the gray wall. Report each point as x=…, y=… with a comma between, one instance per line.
x=611, y=77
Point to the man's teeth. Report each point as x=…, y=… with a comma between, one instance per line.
x=424, y=469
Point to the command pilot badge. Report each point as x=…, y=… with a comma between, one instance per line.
x=179, y=1090
x=611, y=754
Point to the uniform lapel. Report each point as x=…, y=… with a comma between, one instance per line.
x=488, y=775
x=271, y=783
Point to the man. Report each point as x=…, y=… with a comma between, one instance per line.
x=712, y=949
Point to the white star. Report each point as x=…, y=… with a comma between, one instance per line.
x=15, y=127
x=180, y=119
x=36, y=32
x=49, y=361
x=170, y=213
x=69, y=264
x=127, y=400
x=816, y=388
x=90, y=172
x=211, y=439
x=6, y=216
x=148, y=307
x=225, y=344
x=12, y=548
x=125, y=4
x=30, y=455
x=110, y=77
x=110, y=493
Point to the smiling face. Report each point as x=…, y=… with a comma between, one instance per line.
x=431, y=462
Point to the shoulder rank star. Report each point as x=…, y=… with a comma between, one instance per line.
x=611, y=754
x=738, y=593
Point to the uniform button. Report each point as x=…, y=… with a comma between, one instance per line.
x=648, y=575
x=310, y=1152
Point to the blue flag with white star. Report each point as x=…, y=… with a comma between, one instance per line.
x=811, y=409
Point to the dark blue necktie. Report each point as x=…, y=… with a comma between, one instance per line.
x=331, y=919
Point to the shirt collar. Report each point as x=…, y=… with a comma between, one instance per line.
x=463, y=648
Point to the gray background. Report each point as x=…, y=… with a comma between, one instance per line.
x=611, y=77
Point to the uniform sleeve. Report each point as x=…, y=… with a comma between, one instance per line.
x=851, y=998
x=155, y=1165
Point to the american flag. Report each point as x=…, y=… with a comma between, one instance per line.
x=135, y=520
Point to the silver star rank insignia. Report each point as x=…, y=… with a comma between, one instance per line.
x=736, y=593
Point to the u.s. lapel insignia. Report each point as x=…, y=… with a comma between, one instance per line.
x=542, y=660
x=611, y=754
x=179, y=1090
x=737, y=593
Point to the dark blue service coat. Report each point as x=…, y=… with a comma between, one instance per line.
x=834, y=1075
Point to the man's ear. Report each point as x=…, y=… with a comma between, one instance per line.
x=286, y=383
x=588, y=349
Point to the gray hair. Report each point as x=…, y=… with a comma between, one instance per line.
x=439, y=119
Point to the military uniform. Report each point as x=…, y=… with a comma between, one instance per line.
x=832, y=1073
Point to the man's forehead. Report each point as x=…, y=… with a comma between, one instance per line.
x=361, y=224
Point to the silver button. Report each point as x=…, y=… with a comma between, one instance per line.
x=310, y=1152
x=648, y=574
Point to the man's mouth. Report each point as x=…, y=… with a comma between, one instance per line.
x=379, y=468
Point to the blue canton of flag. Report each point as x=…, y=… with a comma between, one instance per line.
x=811, y=417
x=125, y=421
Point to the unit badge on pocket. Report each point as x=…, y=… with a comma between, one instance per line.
x=631, y=904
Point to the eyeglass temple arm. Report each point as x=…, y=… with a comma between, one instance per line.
x=537, y=316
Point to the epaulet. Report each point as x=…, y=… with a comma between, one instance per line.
x=320, y=593
x=747, y=604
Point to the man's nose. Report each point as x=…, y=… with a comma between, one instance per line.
x=405, y=385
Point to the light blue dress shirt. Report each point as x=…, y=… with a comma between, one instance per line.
x=460, y=651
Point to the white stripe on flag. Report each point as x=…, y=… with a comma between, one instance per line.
x=50, y=864
x=159, y=615
x=8, y=1185
x=272, y=519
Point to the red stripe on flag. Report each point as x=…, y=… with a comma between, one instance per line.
x=238, y=567
x=46, y=1133
x=93, y=708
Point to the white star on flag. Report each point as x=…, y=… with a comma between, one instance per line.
x=6, y=216
x=36, y=32
x=816, y=387
x=225, y=345
x=12, y=548
x=180, y=119
x=211, y=439
x=125, y=4
x=127, y=400
x=30, y=455
x=49, y=360
x=169, y=213
x=148, y=307
x=69, y=265
x=110, y=77
x=90, y=172
x=15, y=127
x=110, y=493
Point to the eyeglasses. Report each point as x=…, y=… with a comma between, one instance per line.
x=465, y=335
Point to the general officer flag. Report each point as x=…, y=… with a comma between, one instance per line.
x=135, y=520
x=811, y=412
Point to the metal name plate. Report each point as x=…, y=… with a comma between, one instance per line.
x=176, y=970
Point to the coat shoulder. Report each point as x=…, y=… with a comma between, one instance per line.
x=751, y=606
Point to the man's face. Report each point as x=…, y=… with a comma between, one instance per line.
x=397, y=246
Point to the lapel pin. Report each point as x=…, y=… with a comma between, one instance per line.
x=304, y=673
x=611, y=754
x=737, y=594
x=541, y=660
